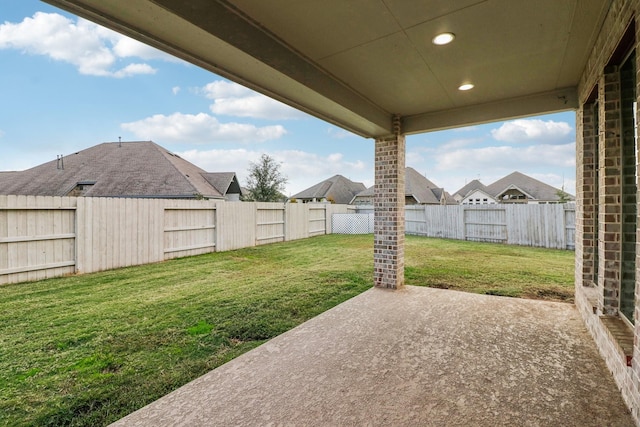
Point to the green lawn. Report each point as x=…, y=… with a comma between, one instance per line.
x=489, y=268
x=87, y=350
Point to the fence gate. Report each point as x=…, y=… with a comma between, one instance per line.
x=352, y=223
x=570, y=226
x=485, y=225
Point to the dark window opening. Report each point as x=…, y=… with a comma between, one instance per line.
x=629, y=186
x=81, y=189
x=596, y=188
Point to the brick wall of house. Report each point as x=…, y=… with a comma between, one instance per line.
x=586, y=196
x=610, y=192
x=388, y=247
x=610, y=196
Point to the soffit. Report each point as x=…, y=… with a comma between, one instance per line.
x=358, y=63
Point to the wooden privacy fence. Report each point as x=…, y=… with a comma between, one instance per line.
x=546, y=226
x=42, y=237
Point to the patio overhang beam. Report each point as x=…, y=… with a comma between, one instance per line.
x=222, y=40
x=219, y=38
x=544, y=103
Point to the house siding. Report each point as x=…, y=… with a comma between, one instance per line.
x=478, y=198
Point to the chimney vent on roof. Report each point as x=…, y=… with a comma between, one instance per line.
x=60, y=163
x=119, y=141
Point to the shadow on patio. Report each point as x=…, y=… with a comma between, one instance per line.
x=418, y=356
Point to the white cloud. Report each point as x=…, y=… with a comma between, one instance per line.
x=303, y=169
x=133, y=69
x=526, y=130
x=232, y=99
x=224, y=89
x=558, y=181
x=426, y=157
x=413, y=157
x=257, y=106
x=335, y=157
x=200, y=129
x=92, y=49
x=175, y=90
x=125, y=47
x=511, y=158
x=219, y=160
x=458, y=143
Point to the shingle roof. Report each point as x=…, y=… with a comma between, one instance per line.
x=127, y=169
x=418, y=187
x=7, y=175
x=339, y=188
x=471, y=186
x=368, y=192
x=224, y=182
x=440, y=194
x=449, y=199
x=538, y=190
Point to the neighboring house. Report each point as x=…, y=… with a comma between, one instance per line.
x=478, y=197
x=226, y=183
x=474, y=193
x=418, y=191
x=520, y=188
x=337, y=189
x=122, y=169
x=513, y=188
x=444, y=197
x=7, y=176
x=365, y=197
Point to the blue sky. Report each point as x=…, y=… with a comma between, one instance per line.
x=67, y=84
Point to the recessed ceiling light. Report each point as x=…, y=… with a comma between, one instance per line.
x=443, y=38
x=466, y=86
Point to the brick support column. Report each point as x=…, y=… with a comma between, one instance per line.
x=586, y=196
x=388, y=247
x=610, y=193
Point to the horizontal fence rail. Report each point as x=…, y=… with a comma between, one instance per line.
x=43, y=237
x=544, y=225
x=189, y=230
x=37, y=238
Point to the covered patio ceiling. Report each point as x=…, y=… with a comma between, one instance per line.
x=359, y=63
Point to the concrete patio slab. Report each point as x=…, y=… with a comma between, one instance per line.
x=414, y=357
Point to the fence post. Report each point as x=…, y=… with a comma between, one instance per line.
x=463, y=222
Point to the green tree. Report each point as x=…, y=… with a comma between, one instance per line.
x=265, y=182
x=563, y=196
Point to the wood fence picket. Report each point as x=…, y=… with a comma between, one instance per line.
x=42, y=237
